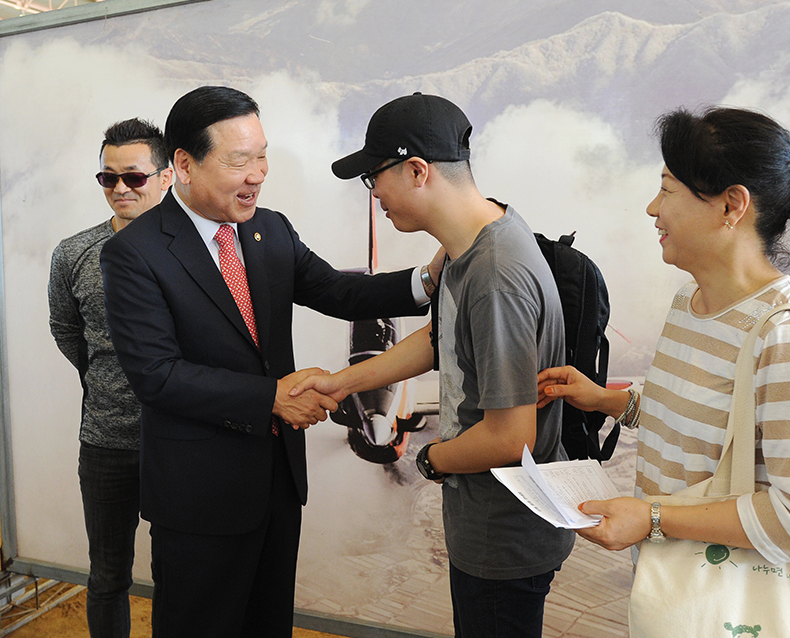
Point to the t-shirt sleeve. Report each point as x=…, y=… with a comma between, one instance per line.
x=504, y=328
x=765, y=514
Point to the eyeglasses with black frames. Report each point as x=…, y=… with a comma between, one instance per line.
x=369, y=178
x=132, y=180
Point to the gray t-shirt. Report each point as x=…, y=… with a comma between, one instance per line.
x=500, y=322
x=78, y=321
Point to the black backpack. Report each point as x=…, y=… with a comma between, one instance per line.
x=585, y=306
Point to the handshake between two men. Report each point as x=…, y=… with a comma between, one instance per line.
x=306, y=408
x=304, y=397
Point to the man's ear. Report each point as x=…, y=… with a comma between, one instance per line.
x=167, y=178
x=737, y=200
x=418, y=170
x=182, y=165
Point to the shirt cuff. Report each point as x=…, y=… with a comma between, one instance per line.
x=417, y=289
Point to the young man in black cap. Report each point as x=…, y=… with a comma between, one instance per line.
x=500, y=321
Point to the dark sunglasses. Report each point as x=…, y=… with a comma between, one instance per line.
x=132, y=180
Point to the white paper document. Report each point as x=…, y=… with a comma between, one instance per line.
x=554, y=490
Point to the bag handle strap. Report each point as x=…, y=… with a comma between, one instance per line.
x=742, y=413
x=734, y=473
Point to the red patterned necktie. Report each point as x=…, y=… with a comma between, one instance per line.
x=236, y=277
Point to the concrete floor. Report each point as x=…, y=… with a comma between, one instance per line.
x=589, y=596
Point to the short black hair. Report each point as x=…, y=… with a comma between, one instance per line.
x=189, y=119
x=457, y=173
x=137, y=131
x=722, y=147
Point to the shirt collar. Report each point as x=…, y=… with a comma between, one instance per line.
x=207, y=228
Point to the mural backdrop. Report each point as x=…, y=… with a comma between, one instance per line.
x=562, y=95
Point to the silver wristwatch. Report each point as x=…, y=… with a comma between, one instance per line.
x=655, y=535
x=427, y=281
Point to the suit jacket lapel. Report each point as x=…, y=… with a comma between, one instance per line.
x=252, y=235
x=187, y=246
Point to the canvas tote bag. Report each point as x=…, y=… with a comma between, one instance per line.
x=691, y=589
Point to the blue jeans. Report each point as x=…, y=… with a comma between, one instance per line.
x=485, y=608
x=110, y=484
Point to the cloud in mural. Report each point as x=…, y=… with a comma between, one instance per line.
x=565, y=170
x=300, y=123
x=344, y=12
x=769, y=92
x=66, y=136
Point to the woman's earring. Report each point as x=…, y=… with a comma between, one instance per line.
x=727, y=224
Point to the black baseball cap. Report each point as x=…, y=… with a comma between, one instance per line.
x=426, y=126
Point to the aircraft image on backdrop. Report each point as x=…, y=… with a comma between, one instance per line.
x=379, y=421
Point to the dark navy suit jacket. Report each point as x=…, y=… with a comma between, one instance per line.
x=207, y=391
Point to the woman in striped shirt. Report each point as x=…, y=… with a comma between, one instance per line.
x=721, y=211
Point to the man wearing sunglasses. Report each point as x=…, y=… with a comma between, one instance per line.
x=134, y=174
x=500, y=321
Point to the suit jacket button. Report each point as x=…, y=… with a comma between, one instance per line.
x=226, y=424
x=248, y=429
x=266, y=364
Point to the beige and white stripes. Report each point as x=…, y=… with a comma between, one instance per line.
x=686, y=402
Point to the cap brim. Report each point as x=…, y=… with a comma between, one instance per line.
x=355, y=164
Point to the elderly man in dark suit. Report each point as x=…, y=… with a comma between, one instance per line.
x=199, y=295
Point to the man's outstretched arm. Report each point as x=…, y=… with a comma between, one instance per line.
x=409, y=358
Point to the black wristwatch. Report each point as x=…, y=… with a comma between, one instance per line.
x=425, y=467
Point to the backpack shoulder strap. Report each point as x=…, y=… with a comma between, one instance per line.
x=435, y=321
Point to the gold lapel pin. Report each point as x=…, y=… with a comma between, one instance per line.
x=257, y=236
